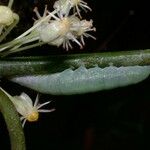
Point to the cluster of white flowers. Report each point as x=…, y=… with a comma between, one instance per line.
x=61, y=28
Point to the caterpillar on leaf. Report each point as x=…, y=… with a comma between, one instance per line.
x=84, y=80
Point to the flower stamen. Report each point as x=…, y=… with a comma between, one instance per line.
x=80, y=4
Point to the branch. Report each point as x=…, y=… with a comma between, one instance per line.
x=10, y=3
x=52, y=64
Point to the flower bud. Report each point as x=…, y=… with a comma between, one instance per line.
x=6, y=16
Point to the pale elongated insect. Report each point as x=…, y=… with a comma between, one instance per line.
x=84, y=80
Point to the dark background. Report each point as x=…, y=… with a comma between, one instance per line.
x=115, y=119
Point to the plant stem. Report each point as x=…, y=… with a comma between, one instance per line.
x=13, y=122
x=24, y=40
x=52, y=64
x=22, y=48
x=10, y=3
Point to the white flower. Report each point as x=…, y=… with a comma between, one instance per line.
x=28, y=110
x=64, y=6
x=60, y=29
x=56, y=31
x=80, y=29
x=52, y=28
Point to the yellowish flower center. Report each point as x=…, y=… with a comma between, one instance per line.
x=33, y=116
x=65, y=26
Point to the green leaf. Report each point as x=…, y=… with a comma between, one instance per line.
x=51, y=64
x=13, y=122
